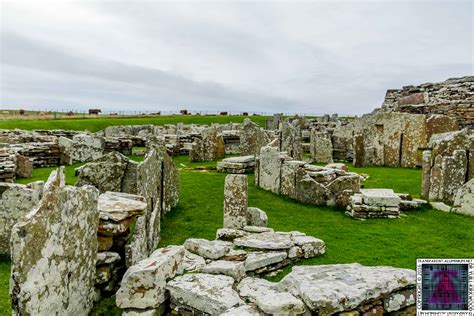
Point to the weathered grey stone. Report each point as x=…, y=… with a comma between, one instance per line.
x=234, y=269
x=235, y=201
x=269, y=169
x=16, y=201
x=252, y=138
x=328, y=289
x=288, y=177
x=257, y=260
x=208, y=147
x=143, y=285
x=237, y=165
x=210, y=249
x=54, y=252
x=464, y=201
x=105, y=173
x=107, y=258
x=454, y=170
x=398, y=300
x=426, y=168
x=192, y=262
x=229, y=234
x=250, y=287
x=256, y=217
x=257, y=229
x=291, y=140
x=211, y=294
x=116, y=206
x=320, y=148
x=244, y=310
x=311, y=246
x=269, y=241
x=280, y=303
x=380, y=197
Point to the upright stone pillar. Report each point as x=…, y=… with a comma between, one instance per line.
x=235, y=201
x=359, y=150
x=426, y=169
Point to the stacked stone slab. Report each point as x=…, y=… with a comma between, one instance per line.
x=252, y=138
x=54, y=252
x=231, y=141
x=277, y=172
x=117, y=213
x=155, y=178
x=121, y=145
x=208, y=146
x=291, y=139
x=389, y=139
x=7, y=165
x=448, y=163
x=320, y=147
x=238, y=165
x=374, y=203
x=453, y=97
x=16, y=200
x=44, y=154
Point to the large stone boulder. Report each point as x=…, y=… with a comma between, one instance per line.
x=54, y=252
x=328, y=289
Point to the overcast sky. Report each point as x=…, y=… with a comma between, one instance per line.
x=306, y=57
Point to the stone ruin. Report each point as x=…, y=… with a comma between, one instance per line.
x=389, y=139
x=222, y=277
x=54, y=251
x=275, y=171
x=207, y=146
x=156, y=179
x=453, y=97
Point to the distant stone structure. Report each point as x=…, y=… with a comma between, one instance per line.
x=453, y=97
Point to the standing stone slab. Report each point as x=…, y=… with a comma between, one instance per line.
x=291, y=140
x=320, y=148
x=252, y=138
x=464, y=201
x=425, y=180
x=269, y=169
x=16, y=200
x=235, y=201
x=454, y=170
x=54, y=251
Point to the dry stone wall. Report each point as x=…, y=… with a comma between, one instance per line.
x=453, y=97
x=277, y=172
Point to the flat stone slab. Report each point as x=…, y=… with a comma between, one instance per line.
x=280, y=303
x=328, y=289
x=118, y=206
x=380, y=197
x=269, y=241
x=210, y=249
x=241, y=159
x=234, y=269
x=257, y=260
x=212, y=294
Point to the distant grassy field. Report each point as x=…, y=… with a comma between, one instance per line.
x=96, y=124
x=395, y=242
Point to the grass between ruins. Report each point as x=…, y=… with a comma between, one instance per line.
x=395, y=242
x=97, y=124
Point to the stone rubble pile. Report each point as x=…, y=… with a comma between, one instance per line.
x=277, y=172
x=243, y=164
x=374, y=203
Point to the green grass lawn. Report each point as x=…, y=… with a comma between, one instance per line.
x=96, y=124
x=395, y=242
